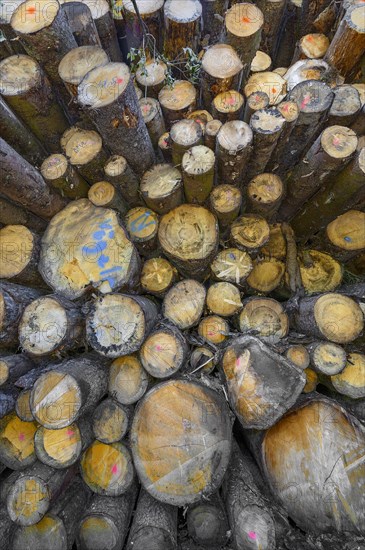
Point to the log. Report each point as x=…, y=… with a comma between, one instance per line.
x=119, y=173
x=13, y=214
x=57, y=529
x=255, y=102
x=29, y=493
x=6, y=527
x=188, y=236
x=264, y=194
x=81, y=23
x=344, y=237
x=61, y=175
x=274, y=85
x=267, y=275
x=310, y=12
x=244, y=23
x=311, y=69
x=19, y=137
x=13, y=367
x=225, y=202
x=233, y=150
x=224, y=299
x=330, y=316
x=299, y=355
x=181, y=473
x=19, y=255
x=249, y=232
x=207, y=522
x=9, y=44
x=8, y=398
x=68, y=391
x=107, y=469
x=228, y=106
x=314, y=99
x=324, y=492
x=213, y=15
x=153, y=118
x=184, y=134
x=149, y=20
x=311, y=46
x=164, y=352
x=50, y=325
x=164, y=147
x=161, y=188
x=350, y=380
x=261, y=62
x=266, y=125
x=290, y=111
x=261, y=384
x=212, y=128
x=108, y=96
x=221, y=72
x=273, y=12
x=202, y=359
x=110, y=421
x=276, y=246
x=181, y=26
x=350, y=31
x=345, y=107
x=327, y=358
x=177, y=101
x=157, y=276
x=77, y=63
x=337, y=195
x=213, y=330
x=265, y=317
x=184, y=303
x=105, y=194
x=151, y=77
x=13, y=299
x=128, y=381
x=44, y=33
x=84, y=151
x=231, y=265
x=17, y=442
x=319, y=272
x=142, y=226
x=198, y=173
x=28, y=92
x=101, y=257
x=154, y=525
x=107, y=32
x=250, y=516
x=117, y=324
x=105, y=521
x=332, y=150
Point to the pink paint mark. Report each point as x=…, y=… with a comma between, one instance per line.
x=158, y=347
x=285, y=108
x=21, y=437
x=119, y=80
x=70, y=433
x=115, y=469
x=210, y=333
x=310, y=38
x=336, y=141
x=238, y=362
x=252, y=535
x=230, y=100
x=305, y=101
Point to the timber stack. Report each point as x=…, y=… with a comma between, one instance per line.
x=182, y=278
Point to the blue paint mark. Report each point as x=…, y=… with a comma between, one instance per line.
x=98, y=235
x=106, y=224
x=231, y=256
x=137, y=227
x=111, y=234
x=111, y=270
x=102, y=260
x=347, y=239
x=96, y=249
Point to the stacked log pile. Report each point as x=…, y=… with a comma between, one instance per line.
x=182, y=279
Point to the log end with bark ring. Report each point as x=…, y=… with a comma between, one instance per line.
x=268, y=82
x=234, y=136
x=338, y=317
x=17, y=442
x=244, y=20
x=221, y=61
x=31, y=16
x=179, y=96
x=186, y=12
x=110, y=421
x=164, y=352
x=351, y=380
x=152, y=74
x=224, y=299
x=171, y=465
x=347, y=232
x=312, y=96
x=103, y=85
x=250, y=232
x=314, y=46
x=184, y=303
x=232, y=265
x=339, y=142
x=19, y=248
x=19, y=74
x=319, y=271
x=107, y=469
x=213, y=329
x=161, y=188
x=28, y=511
x=128, y=381
x=266, y=317
x=327, y=358
x=267, y=274
x=78, y=62
x=58, y=448
x=225, y=202
x=298, y=355
x=157, y=276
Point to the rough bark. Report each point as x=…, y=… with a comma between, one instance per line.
x=164, y=352
x=81, y=23
x=233, y=150
x=181, y=27
x=161, y=188
x=118, y=172
x=198, y=173
x=128, y=381
x=61, y=175
x=177, y=101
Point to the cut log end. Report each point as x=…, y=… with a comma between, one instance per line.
x=213, y=329
x=79, y=61
x=103, y=85
x=58, y=448
x=266, y=317
x=221, y=61
x=250, y=232
x=34, y=16
x=157, y=276
x=184, y=303
x=339, y=318
x=351, y=380
x=244, y=20
x=128, y=381
x=232, y=265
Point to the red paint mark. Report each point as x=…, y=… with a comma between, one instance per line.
x=158, y=347
x=21, y=437
x=231, y=101
x=70, y=433
x=310, y=38
x=305, y=101
x=114, y=469
x=273, y=90
x=210, y=333
x=31, y=11
x=246, y=20
x=336, y=141
x=285, y=108
x=252, y=535
x=119, y=80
